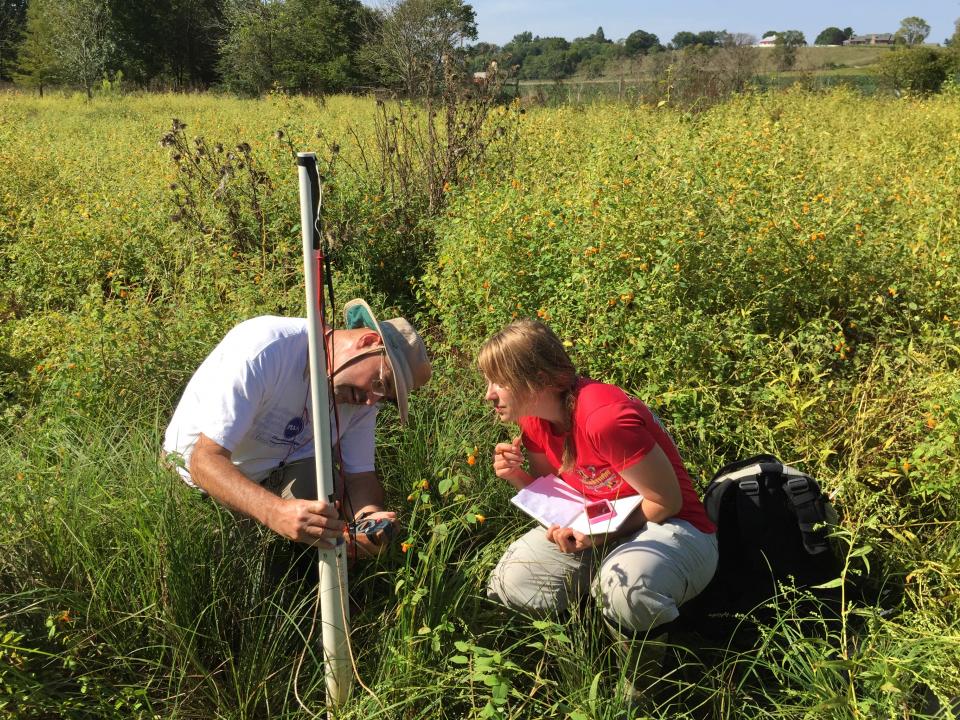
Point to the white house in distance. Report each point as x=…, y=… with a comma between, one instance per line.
x=874, y=39
x=768, y=41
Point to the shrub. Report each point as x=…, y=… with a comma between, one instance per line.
x=749, y=272
x=918, y=69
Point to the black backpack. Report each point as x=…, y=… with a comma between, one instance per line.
x=773, y=523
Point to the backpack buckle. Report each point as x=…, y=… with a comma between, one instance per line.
x=798, y=485
x=750, y=487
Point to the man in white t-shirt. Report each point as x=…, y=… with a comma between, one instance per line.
x=244, y=419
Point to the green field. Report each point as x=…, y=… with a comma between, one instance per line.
x=777, y=273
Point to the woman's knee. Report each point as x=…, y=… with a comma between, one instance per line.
x=514, y=586
x=634, y=608
x=531, y=581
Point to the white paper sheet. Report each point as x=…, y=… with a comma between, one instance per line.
x=551, y=501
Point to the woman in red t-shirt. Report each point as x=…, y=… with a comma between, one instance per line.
x=605, y=445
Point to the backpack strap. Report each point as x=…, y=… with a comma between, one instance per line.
x=805, y=496
x=733, y=467
x=750, y=515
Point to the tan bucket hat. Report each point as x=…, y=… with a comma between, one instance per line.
x=406, y=352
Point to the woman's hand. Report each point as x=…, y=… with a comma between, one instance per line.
x=508, y=463
x=568, y=539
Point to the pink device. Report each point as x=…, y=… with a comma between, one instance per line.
x=599, y=510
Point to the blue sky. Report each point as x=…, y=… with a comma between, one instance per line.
x=500, y=20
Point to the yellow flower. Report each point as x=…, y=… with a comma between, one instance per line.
x=480, y=518
x=906, y=466
x=405, y=546
x=424, y=485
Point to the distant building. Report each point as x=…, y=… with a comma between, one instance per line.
x=768, y=41
x=875, y=39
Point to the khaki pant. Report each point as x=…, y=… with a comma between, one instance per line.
x=640, y=582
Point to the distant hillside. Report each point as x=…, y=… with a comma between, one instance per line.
x=813, y=58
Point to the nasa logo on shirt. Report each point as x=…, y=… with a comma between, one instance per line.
x=293, y=428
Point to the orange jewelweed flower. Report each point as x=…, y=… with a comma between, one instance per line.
x=405, y=546
x=424, y=485
x=471, y=459
x=480, y=518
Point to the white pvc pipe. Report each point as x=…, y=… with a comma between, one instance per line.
x=333, y=578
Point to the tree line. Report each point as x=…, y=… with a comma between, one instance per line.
x=246, y=46
x=313, y=46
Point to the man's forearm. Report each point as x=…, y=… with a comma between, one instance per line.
x=220, y=478
x=312, y=522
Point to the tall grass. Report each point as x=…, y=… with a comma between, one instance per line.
x=125, y=594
